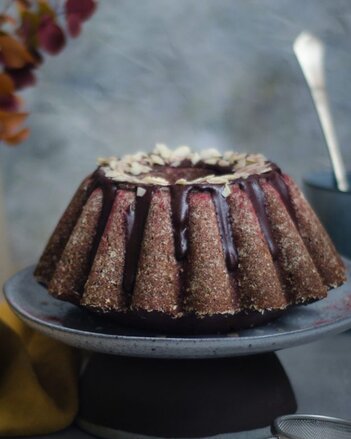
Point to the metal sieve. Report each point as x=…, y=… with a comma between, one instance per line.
x=311, y=427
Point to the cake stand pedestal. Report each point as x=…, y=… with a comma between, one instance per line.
x=135, y=383
x=182, y=398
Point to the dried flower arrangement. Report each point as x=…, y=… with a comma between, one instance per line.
x=28, y=29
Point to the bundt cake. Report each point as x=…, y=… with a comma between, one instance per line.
x=189, y=242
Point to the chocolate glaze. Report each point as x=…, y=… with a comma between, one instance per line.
x=108, y=196
x=222, y=210
x=135, y=224
x=180, y=207
x=137, y=215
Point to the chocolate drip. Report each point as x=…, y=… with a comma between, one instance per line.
x=180, y=208
x=136, y=220
x=254, y=191
x=222, y=210
x=108, y=197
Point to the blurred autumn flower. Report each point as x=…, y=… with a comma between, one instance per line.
x=27, y=28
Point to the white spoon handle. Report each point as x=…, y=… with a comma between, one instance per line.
x=309, y=52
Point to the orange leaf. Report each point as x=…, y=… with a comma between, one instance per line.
x=14, y=54
x=7, y=86
x=17, y=138
x=10, y=123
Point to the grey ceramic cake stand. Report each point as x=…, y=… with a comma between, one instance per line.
x=172, y=386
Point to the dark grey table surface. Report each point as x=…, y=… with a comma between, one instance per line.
x=320, y=374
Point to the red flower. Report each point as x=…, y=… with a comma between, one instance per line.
x=51, y=37
x=74, y=24
x=36, y=29
x=83, y=8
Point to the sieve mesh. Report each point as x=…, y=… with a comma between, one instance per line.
x=312, y=427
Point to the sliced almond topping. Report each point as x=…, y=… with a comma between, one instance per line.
x=157, y=160
x=195, y=158
x=137, y=168
x=181, y=152
x=226, y=190
x=162, y=150
x=149, y=179
x=209, y=153
x=223, y=163
x=131, y=167
x=182, y=181
x=212, y=161
x=140, y=191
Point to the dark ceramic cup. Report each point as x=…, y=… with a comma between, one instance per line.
x=332, y=207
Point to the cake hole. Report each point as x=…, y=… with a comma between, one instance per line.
x=172, y=174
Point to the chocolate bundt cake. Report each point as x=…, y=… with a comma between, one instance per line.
x=186, y=242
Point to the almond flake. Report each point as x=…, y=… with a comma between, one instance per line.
x=137, y=168
x=140, y=192
x=195, y=158
x=149, y=179
x=181, y=152
x=157, y=160
x=212, y=161
x=209, y=153
x=182, y=181
x=163, y=151
x=226, y=190
x=223, y=163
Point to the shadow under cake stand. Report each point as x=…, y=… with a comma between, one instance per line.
x=175, y=386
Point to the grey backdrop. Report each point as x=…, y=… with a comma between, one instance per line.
x=208, y=73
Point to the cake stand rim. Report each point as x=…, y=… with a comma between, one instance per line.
x=171, y=346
